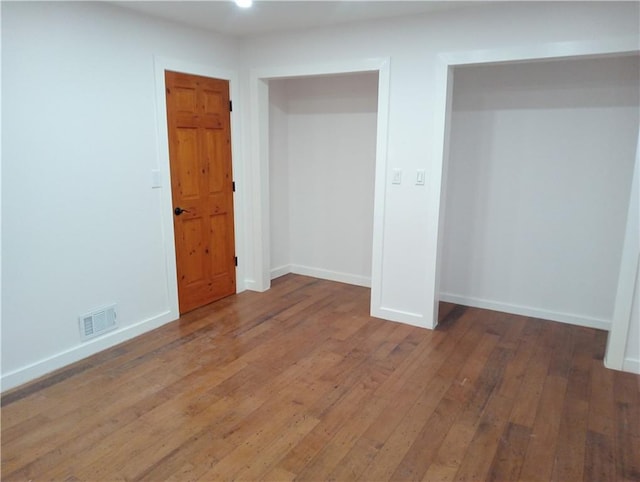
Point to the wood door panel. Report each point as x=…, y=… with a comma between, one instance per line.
x=187, y=163
x=185, y=99
x=218, y=231
x=213, y=101
x=193, y=262
x=201, y=179
x=218, y=203
x=216, y=149
x=201, y=293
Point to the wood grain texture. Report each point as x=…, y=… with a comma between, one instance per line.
x=300, y=383
x=199, y=132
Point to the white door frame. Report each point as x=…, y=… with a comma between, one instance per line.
x=627, y=279
x=559, y=50
x=259, y=172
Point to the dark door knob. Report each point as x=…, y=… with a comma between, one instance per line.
x=178, y=211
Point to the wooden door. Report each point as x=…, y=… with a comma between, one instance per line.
x=202, y=187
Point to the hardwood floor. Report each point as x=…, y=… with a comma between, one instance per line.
x=300, y=383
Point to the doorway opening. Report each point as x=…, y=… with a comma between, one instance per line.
x=322, y=156
x=260, y=182
x=538, y=175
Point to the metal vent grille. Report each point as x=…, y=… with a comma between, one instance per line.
x=98, y=322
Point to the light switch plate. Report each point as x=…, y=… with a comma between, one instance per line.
x=156, y=178
x=396, y=176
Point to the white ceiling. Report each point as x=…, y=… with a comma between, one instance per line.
x=275, y=15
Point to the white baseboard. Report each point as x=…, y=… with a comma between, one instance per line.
x=340, y=277
x=351, y=279
x=408, y=318
x=569, y=318
x=77, y=353
x=631, y=365
x=280, y=271
x=253, y=285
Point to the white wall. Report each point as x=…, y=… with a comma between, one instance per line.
x=539, y=175
x=409, y=238
x=279, y=175
x=632, y=352
x=623, y=343
x=329, y=166
x=630, y=255
x=81, y=224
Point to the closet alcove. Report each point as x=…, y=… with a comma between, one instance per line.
x=322, y=154
x=538, y=178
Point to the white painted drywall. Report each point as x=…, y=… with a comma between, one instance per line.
x=632, y=353
x=81, y=223
x=410, y=212
x=279, y=178
x=630, y=255
x=539, y=174
x=623, y=343
x=328, y=171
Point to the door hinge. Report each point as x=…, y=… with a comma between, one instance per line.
x=230, y=106
x=233, y=186
x=235, y=260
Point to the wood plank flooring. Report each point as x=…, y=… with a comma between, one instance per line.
x=300, y=383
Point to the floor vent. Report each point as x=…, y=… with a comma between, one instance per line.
x=98, y=322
